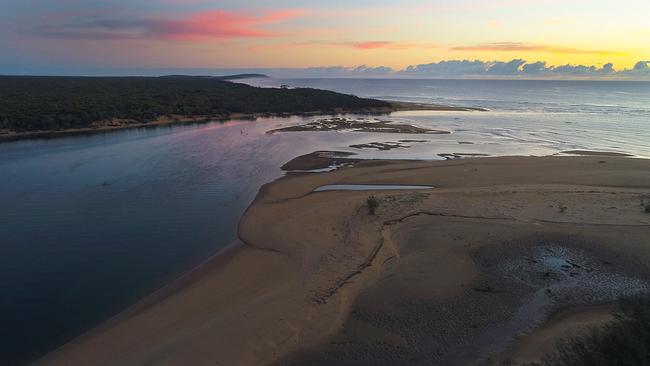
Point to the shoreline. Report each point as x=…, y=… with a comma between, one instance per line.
x=116, y=125
x=319, y=260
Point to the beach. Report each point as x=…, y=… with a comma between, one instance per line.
x=495, y=252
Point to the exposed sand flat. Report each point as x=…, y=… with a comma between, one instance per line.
x=358, y=125
x=444, y=276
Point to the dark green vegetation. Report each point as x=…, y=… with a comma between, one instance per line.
x=645, y=205
x=59, y=103
x=623, y=342
x=372, y=203
x=227, y=77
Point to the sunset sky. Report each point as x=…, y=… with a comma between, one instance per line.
x=298, y=34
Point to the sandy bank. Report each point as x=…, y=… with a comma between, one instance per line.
x=443, y=276
x=120, y=124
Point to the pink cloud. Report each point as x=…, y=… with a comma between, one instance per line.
x=200, y=26
x=218, y=24
x=371, y=45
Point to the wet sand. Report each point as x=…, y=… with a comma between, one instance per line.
x=320, y=160
x=447, y=276
x=359, y=125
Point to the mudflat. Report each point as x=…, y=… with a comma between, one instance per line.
x=463, y=273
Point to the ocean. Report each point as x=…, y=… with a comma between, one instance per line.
x=538, y=117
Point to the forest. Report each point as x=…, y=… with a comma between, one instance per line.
x=30, y=103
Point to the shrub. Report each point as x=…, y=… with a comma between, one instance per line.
x=372, y=203
x=623, y=342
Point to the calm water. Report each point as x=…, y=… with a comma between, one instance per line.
x=92, y=223
x=525, y=117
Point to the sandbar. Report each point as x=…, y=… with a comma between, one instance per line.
x=454, y=275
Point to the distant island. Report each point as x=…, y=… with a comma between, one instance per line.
x=46, y=106
x=242, y=76
x=224, y=77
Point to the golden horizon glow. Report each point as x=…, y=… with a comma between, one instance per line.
x=295, y=34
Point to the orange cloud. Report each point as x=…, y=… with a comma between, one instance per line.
x=526, y=47
x=364, y=45
x=371, y=45
x=219, y=24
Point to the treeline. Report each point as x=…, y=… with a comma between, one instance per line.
x=56, y=103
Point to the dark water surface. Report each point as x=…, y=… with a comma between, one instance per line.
x=90, y=224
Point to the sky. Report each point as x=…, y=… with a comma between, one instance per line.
x=581, y=38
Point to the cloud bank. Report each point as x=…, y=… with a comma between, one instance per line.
x=452, y=69
x=516, y=68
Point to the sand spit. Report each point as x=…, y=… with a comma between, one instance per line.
x=447, y=276
x=320, y=160
x=383, y=146
x=594, y=153
x=452, y=156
